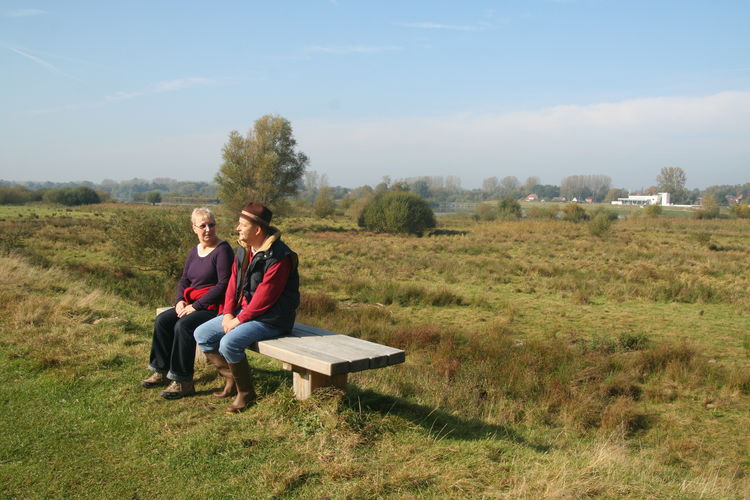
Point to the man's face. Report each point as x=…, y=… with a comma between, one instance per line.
x=246, y=230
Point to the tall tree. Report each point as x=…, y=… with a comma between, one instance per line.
x=490, y=184
x=264, y=166
x=509, y=185
x=672, y=180
x=531, y=182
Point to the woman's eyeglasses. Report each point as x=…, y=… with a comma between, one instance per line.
x=203, y=227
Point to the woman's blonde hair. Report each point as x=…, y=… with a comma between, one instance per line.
x=202, y=212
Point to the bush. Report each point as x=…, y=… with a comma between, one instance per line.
x=574, y=212
x=397, y=212
x=324, y=205
x=741, y=210
x=81, y=195
x=709, y=210
x=652, y=210
x=16, y=195
x=538, y=212
x=509, y=208
x=486, y=212
x=152, y=240
x=600, y=224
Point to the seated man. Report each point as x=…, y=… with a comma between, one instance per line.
x=260, y=303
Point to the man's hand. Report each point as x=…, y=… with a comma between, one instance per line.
x=229, y=322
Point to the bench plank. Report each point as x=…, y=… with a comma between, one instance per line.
x=359, y=359
x=380, y=355
x=299, y=355
x=321, y=351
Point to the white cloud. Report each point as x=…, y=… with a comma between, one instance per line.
x=182, y=83
x=25, y=12
x=123, y=96
x=629, y=141
x=351, y=49
x=427, y=25
x=35, y=59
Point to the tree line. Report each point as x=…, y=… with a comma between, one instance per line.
x=265, y=164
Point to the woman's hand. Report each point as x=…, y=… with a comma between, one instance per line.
x=229, y=322
x=185, y=311
x=179, y=307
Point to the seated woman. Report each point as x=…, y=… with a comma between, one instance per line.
x=200, y=295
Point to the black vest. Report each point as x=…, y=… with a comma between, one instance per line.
x=282, y=314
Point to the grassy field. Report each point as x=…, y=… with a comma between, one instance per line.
x=541, y=361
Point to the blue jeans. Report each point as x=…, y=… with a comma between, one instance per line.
x=210, y=336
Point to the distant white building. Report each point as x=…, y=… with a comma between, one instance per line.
x=657, y=199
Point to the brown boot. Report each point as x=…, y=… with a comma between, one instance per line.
x=177, y=390
x=155, y=380
x=243, y=380
x=222, y=367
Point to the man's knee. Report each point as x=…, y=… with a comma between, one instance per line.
x=231, y=349
x=207, y=332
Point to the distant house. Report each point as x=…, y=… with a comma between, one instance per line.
x=635, y=199
x=589, y=200
x=532, y=197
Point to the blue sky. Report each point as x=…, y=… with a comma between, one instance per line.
x=104, y=90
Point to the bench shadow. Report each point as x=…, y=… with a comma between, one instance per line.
x=438, y=424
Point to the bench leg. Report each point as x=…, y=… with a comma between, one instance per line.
x=304, y=381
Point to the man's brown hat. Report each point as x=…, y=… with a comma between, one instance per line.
x=257, y=213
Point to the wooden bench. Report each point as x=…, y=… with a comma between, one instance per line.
x=319, y=358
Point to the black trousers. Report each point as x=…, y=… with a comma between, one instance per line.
x=173, y=345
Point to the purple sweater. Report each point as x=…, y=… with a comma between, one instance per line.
x=213, y=270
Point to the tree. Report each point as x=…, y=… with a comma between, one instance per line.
x=530, y=183
x=421, y=188
x=264, y=166
x=490, y=184
x=509, y=185
x=615, y=193
x=397, y=212
x=672, y=180
x=153, y=197
x=585, y=186
x=324, y=205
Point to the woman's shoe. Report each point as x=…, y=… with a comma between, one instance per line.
x=177, y=390
x=157, y=379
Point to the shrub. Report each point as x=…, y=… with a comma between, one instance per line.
x=16, y=195
x=741, y=210
x=652, y=210
x=486, y=212
x=152, y=240
x=601, y=221
x=538, y=212
x=509, y=208
x=709, y=210
x=324, y=206
x=397, y=212
x=574, y=212
x=81, y=195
